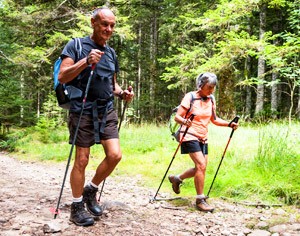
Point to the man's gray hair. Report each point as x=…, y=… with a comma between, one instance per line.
x=96, y=12
x=206, y=78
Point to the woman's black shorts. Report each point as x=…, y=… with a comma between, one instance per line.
x=194, y=146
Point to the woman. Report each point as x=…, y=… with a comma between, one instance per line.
x=195, y=141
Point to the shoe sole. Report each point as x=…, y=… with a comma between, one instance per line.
x=94, y=215
x=83, y=224
x=199, y=209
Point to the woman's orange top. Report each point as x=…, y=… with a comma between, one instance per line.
x=203, y=111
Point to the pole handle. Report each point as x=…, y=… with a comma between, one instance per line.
x=235, y=120
x=192, y=116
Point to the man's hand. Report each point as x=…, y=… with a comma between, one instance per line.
x=94, y=56
x=128, y=94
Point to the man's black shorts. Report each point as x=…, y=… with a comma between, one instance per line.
x=86, y=134
x=194, y=146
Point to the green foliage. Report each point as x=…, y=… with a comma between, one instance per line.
x=161, y=45
x=52, y=118
x=278, y=159
x=8, y=142
x=12, y=106
x=52, y=112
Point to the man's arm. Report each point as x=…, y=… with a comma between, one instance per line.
x=69, y=70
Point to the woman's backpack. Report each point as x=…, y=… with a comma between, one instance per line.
x=173, y=125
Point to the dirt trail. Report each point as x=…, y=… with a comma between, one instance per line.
x=29, y=190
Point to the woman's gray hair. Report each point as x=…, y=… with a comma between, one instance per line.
x=206, y=78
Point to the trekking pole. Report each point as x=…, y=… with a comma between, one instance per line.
x=191, y=117
x=235, y=120
x=75, y=137
x=121, y=119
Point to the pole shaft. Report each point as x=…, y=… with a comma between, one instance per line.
x=181, y=140
x=236, y=119
x=74, y=139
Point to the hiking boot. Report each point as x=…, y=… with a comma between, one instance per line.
x=79, y=216
x=176, y=182
x=202, y=205
x=89, y=198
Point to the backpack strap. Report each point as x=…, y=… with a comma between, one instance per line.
x=193, y=98
x=114, y=58
x=191, y=103
x=78, y=48
x=212, y=98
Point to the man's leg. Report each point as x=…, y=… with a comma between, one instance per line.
x=112, y=158
x=77, y=177
x=79, y=215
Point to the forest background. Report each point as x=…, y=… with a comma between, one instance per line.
x=162, y=45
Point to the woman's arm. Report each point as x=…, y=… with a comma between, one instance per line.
x=179, y=117
x=220, y=122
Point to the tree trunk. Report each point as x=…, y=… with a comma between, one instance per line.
x=274, y=97
x=261, y=62
x=226, y=99
x=22, y=96
x=152, y=64
x=248, y=88
x=298, y=107
x=139, y=76
x=274, y=91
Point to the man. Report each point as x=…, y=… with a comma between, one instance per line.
x=99, y=121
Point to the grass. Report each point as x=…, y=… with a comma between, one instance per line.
x=261, y=162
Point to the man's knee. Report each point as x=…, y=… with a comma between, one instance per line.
x=81, y=162
x=82, y=158
x=114, y=158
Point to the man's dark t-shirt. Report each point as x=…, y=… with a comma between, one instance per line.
x=101, y=86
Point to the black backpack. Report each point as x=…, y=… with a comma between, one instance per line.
x=64, y=92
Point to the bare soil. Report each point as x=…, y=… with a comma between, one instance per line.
x=29, y=190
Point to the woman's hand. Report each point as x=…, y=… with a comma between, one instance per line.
x=233, y=125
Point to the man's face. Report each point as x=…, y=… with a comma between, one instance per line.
x=103, y=26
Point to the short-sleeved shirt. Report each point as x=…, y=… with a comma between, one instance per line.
x=101, y=86
x=203, y=111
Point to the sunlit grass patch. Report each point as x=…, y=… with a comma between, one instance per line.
x=261, y=163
